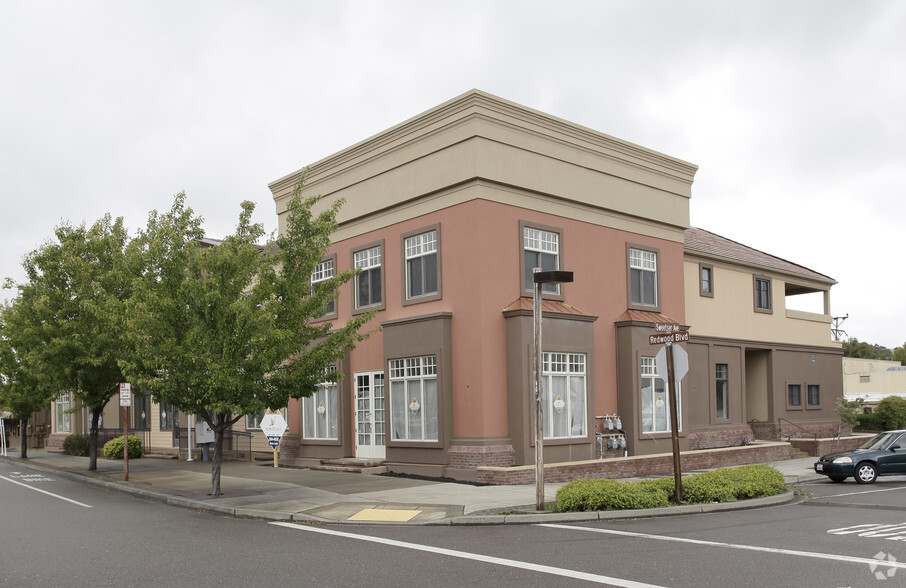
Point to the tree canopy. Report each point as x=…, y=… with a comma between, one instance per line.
x=223, y=329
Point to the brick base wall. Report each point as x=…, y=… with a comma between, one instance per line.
x=472, y=457
x=731, y=437
x=829, y=445
x=646, y=465
x=54, y=443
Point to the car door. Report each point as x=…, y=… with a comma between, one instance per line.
x=893, y=461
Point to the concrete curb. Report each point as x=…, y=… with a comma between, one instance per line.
x=507, y=519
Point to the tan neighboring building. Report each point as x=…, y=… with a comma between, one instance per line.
x=445, y=215
x=872, y=380
x=766, y=367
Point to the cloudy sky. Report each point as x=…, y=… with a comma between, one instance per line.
x=795, y=112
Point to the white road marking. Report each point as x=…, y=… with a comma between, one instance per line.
x=812, y=554
x=45, y=492
x=522, y=565
x=862, y=492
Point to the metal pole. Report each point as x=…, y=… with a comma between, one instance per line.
x=539, y=412
x=189, y=437
x=126, y=443
x=674, y=425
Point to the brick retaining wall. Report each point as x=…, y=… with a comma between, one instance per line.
x=829, y=445
x=660, y=464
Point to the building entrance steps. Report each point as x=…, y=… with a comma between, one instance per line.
x=352, y=465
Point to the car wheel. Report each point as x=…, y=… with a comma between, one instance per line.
x=837, y=478
x=866, y=473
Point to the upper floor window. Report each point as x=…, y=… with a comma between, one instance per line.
x=324, y=271
x=540, y=248
x=706, y=285
x=643, y=279
x=422, y=264
x=369, y=282
x=762, y=294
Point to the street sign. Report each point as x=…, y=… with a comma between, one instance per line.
x=680, y=362
x=678, y=337
x=125, y=394
x=273, y=426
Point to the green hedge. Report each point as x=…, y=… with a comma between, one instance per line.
x=870, y=422
x=113, y=449
x=724, y=485
x=76, y=445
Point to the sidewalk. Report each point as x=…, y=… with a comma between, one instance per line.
x=258, y=490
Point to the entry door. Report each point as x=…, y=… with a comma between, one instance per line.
x=370, y=415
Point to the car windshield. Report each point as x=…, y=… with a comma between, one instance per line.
x=878, y=441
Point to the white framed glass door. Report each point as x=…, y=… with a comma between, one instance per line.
x=370, y=416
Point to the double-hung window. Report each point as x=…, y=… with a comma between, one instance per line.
x=706, y=285
x=323, y=272
x=319, y=411
x=722, y=391
x=563, y=395
x=643, y=280
x=814, y=395
x=369, y=287
x=762, y=295
x=541, y=248
x=422, y=275
x=413, y=399
x=656, y=401
x=794, y=395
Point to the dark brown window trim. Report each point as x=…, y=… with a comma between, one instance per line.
x=356, y=310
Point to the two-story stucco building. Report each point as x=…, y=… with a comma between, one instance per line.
x=445, y=216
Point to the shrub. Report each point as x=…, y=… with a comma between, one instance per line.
x=870, y=422
x=113, y=449
x=76, y=445
x=893, y=412
x=724, y=485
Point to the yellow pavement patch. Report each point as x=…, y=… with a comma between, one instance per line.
x=388, y=515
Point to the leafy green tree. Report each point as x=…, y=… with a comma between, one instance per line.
x=849, y=411
x=893, y=412
x=899, y=354
x=224, y=331
x=854, y=348
x=77, y=287
x=23, y=388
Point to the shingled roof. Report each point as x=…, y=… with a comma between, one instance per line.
x=708, y=244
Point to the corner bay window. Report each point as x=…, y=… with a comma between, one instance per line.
x=643, y=277
x=413, y=399
x=540, y=249
x=656, y=401
x=319, y=411
x=563, y=395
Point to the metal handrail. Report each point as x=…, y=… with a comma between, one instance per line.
x=813, y=435
x=768, y=425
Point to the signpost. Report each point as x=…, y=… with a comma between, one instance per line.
x=125, y=402
x=677, y=361
x=273, y=425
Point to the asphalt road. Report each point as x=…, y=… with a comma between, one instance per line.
x=56, y=531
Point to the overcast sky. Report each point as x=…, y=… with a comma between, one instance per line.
x=795, y=112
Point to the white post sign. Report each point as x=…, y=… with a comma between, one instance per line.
x=125, y=394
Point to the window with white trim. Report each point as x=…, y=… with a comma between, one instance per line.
x=324, y=271
x=421, y=264
x=656, y=401
x=368, y=285
x=253, y=421
x=319, y=411
x=540, y=249
x=413, y=399
x=62, y=406
x=643, y=277
x=563, y=395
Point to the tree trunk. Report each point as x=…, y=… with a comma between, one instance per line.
x=23, y=437
x=93, y=439
x=217, y=460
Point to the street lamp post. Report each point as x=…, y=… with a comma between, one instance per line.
x=540, y=278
